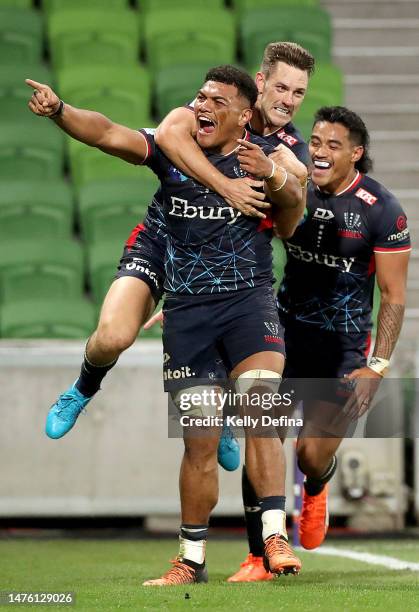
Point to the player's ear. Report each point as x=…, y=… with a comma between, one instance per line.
x=245, y=116
x=357, y=153
x=260, y=81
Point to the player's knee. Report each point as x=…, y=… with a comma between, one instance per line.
x=308, y=454
x=111, y=337
x=262, y=379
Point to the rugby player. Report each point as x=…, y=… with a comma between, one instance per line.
x=222, y=110
x=355, y=230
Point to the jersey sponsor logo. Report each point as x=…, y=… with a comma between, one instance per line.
x=287, y=138
x=142, y=265
x=366, y=196
x=323, y=214
x=344, y=264
x=183, y=372
x=399, y=236
x=401, y=223
x=166, y=358
x=182, y=208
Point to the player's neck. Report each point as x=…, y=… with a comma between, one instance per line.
x=231, y=145
x=341, y=184
x=257, y=122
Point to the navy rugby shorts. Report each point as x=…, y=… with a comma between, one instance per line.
x=205, y=337
x=143, y=258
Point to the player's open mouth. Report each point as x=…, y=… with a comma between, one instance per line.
x=322, y=165
x=282, y=110
x=206, y=126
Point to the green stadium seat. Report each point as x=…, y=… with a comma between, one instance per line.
x=25, y=4
x=45, y=206
x=52, y=318
x=89, y=164
x=326, y=88
x=241, y=6
x=20, y=35
x=15, y=94
x=109, y=209
x=93, y=37
x=103, y=259
x=308, y=26
x=189, y=36
x=35, y=153
x=123, y=93
x=279, y=257
x=177, y=86
x=162, y=5
x=31, y=268
x=50, y=6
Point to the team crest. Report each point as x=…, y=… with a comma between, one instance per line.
x=352, y=220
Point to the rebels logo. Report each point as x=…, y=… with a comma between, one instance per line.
x=182, y=208
x=401, y=223
x=366, y=196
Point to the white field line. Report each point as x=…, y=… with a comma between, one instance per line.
x=383, y=560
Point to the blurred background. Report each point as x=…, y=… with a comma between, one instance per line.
x=66, y=210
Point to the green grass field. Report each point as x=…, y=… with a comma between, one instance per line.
x=107, y=575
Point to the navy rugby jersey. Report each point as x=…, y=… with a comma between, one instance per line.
x=211, y=247
x=290, y=136
x=329, y=276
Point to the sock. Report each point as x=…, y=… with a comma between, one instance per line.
x=192, y=542
x=91, y=375
x=273, y=516
x=314, y=486
x=253, y=516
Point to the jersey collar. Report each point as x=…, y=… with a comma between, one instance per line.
x=351, y=186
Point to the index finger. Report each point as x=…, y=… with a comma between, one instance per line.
x=35, y=84
x=247, y=144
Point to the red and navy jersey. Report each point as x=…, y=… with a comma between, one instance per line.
x=329, y=276
x=292, y=138
x=211, y=247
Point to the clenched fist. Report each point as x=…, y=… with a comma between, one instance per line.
x=283, y=156
x=44, y=100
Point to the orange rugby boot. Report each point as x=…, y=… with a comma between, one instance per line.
x=251, y=570
x=180, y=573
x=314, y=520
x=279, y=557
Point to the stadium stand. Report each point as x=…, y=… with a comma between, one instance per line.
x=78, y=37
x=242, y=5
x=160, y=5
x=46, y=207
x=109, y=209
x=52, y=6
x=14, y=92
x=308, y=26
x=101, y=258
x=54, y=268
x=20, y=35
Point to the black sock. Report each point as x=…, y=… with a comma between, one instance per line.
x=91, y=375
x=194, y=532
x=274, y=502
x=314, y=486
x=253, y=516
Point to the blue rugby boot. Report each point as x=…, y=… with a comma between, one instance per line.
x=64, y=413
x=228, y=453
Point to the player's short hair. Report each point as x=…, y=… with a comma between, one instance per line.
x=358, y=132
x=290, y=53
x=230, y=75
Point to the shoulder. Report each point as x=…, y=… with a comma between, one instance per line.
x=266, y=147
x=377, y=198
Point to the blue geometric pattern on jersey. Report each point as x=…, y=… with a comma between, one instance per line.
x=213, y=267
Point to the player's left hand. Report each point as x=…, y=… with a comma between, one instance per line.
x=253, y=160
x=156, y=318
x=366, y=383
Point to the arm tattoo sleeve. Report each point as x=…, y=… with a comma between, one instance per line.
x=390, y=319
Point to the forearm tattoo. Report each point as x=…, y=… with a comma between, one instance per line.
x=390, y=319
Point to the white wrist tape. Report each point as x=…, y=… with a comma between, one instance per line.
x=379, y=365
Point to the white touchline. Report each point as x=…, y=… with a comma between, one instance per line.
x=384, y=560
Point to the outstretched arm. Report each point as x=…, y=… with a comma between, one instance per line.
x=89, y=127
x=175, y=136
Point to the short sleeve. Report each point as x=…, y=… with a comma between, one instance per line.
x=148, y=134
x=392, y=233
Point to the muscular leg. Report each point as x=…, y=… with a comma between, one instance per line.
x=125, y=309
